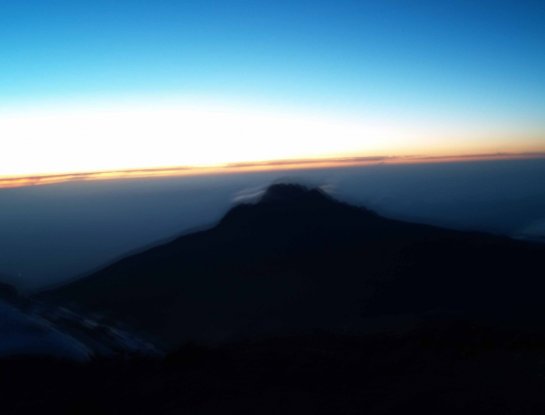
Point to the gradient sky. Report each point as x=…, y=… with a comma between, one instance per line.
x=102, y=85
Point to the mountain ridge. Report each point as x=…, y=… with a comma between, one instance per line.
x=300, y=260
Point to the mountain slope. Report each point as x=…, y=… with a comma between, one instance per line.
x=299, y=260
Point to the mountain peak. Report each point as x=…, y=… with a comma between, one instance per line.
x=292, y=193
x=293, y=207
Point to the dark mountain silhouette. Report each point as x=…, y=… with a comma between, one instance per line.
x=297, y=285
x=299, y=260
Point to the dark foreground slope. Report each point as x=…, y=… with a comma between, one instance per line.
x=454, y=368
x=299, y=260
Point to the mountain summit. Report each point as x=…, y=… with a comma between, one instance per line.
x=299, y=260
x=293, y=193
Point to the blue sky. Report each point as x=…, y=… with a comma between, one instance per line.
x=475, y=62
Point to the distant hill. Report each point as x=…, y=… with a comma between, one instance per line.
x=299, y=260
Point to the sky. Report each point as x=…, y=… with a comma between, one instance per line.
x=99, y=85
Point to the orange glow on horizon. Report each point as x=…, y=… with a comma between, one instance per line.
x=278, y=165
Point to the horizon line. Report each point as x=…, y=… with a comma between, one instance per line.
x=7, y=182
